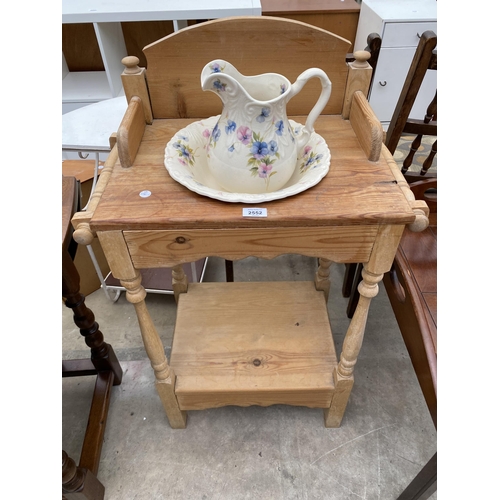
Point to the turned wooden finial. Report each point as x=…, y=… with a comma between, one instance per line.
x=83, y=235
x=132, y=65
x=361, y=57
x=421, y=221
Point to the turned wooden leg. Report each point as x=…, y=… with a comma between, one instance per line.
x=102, y=355
x=322, y=278
x=179, y=281
x=343, y=373
x=165, y=376
x=354, y=296
x=79, y=483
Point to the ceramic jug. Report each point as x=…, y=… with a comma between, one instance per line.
x=252, y=148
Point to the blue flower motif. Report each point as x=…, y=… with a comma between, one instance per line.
x=263, y=114
x=273, y=147
x=219, y=86
x=215, y=67
x=259, y=149
x=216, y=133
x=279, y=127
x=231, y=148
x=283, y=88
x=230, y=127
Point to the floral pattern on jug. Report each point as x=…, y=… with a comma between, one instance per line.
x=187, y=162
x=252, y=148
x=263, y=152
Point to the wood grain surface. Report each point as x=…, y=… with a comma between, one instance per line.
x=254, y=343
x=271, y=45
x=354, y=192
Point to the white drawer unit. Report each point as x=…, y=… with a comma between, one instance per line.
x=400, y=24
x=81, y=88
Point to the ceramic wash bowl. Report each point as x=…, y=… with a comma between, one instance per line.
x=186, y=162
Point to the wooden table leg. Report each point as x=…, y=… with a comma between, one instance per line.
x=79, y=483
x=165, y=376
x=322, y=278
x=179, y=281
x=383, y=251
x=343, y=374
x=121, y=266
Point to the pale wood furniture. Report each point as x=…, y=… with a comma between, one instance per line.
x=400, y=24
x=94, y=38
x=338, y=16
x=249, y=343
x=80, y=482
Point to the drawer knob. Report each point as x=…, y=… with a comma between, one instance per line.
x=382, y=84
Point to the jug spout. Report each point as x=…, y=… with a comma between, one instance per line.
x=216, y=78
x=216, y=83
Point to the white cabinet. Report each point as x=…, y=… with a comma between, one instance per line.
x=399, y=23
x=80, y=88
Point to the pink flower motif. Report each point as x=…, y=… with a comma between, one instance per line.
x=306, y=150
x=244, y=134
x=264, y=169
x=206, y=133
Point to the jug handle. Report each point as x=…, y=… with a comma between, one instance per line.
x=326, y=88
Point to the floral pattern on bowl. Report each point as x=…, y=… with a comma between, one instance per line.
x=186, y=162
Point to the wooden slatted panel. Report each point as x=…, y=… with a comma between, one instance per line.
x=254, y=45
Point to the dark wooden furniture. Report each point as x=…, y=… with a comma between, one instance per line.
x=337, y=16
x=80, y=482
x=411, y=284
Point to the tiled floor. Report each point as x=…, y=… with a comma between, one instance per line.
x=277, y=452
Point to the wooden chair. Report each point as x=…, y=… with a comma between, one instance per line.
x=80, y=482
x=411, y=284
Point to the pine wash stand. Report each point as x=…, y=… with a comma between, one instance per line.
x=249, y=343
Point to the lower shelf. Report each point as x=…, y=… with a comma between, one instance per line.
x=258, y=343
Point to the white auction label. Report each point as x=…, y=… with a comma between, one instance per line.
x=255, y=212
